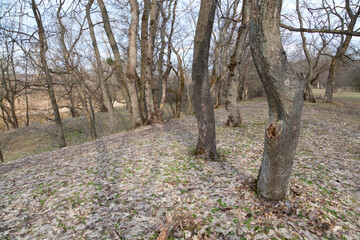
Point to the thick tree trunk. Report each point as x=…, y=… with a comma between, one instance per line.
x=329, y=91
x=284, y=90
x=203, y=104
x=104, y=89
x=235, y=78
x=136, y=117
x=131, y=67
x=43, y=49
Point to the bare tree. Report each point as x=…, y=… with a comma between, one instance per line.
x=150, y=109
x=353, y=15
x=164, y=76
x=43, y=48
x=204, y=111
x=100, y=71
x=235, y=68
x=284, y=90
x=136, y=116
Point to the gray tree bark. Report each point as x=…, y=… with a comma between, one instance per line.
x=132, y=60
x=100, y=73
x=235, y=66
x=1, y=157
x=308, y=94
x=203, y=104
x=136, y=117
x=353, y=16
x=143, y=45
x=284, y=91
x=49, y=83
x=149, y=62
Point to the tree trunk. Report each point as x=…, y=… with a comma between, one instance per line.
x=1, y=157
x=27, y=121
x=131, y=67
x=73, y=111
x=43, y=49
x=13, y=113
x=165, y=76
x=180, y=91
x=104, y=89
x=92, y=121
x=353, y=16
x=136, y=117
x=308, y=96
x=4, y=117
x=149, y=62
x=164, y=21
x=203, y=104
x=284, y=90
x=235, y=78
x=143, y=45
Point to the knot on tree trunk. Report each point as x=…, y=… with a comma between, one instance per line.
x=274, y=130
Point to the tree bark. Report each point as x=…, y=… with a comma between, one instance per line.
x=136, y=117
x=284, y=90
x=1, y=157
x=235, y=78
x=308, y=91
x=144, y=45
x=165, y=76
x=203, y=104
x=149, y=62
x=131, y=67
x=84, y=92
x=328, y=98
x=104, y=89
x=92, y=119
x=50, y=86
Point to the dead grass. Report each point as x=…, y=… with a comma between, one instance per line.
x=40, y=136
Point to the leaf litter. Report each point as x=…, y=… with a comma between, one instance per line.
x=147, y=184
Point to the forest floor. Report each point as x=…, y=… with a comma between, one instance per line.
x=135, y=184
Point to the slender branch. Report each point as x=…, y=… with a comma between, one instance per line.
x=331, y=31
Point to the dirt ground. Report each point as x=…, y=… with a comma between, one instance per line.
x=134, y=184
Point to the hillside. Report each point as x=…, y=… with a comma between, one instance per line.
x=135, y=184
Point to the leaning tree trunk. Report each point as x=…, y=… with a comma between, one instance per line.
x=49, y=83
x=235, y=78
x=353, y=16
x=100, y=73
x=284, y=90
x=136, y=116
x=203, y=104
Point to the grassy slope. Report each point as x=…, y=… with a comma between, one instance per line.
x=39, y=138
